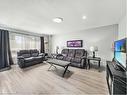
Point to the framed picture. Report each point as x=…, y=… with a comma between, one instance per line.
x=75, y=43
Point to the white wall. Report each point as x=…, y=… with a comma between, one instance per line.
x=122, y=28
x=103, y=37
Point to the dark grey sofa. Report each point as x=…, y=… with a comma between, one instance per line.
x=77, y=57
x=29, y=57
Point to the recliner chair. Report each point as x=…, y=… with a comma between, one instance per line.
x=80, y=58
x=63, y=54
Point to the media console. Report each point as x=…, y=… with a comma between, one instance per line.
x=116, y=79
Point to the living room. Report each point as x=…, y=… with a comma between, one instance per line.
x=69, y=47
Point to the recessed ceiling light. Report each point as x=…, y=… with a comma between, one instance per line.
x=58, y=19
x=84, y=17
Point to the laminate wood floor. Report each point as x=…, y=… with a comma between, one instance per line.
x=36, y=80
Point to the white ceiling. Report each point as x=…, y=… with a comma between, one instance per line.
x=36, y=15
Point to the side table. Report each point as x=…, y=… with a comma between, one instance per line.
x=95, y=59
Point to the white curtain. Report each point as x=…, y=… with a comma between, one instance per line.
x=23, y=42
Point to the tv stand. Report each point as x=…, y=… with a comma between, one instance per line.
x=116, y=79
x=117, y=67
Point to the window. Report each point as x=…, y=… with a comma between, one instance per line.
x=23, y=42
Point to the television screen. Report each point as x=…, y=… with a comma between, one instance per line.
x=120, y=52
x=74, y=43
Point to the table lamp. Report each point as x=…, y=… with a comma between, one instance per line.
x=93, y=49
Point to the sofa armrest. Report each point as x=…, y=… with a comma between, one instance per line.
x=21, y=60
x=83, y=61
x=42, y=54
x=83, y=57
x=20, y=57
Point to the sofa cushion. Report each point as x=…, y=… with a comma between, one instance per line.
x=79, y=53
x=64, y=52
x=77, y=60
x=24, y=52
x=28, y=59
x=71, y=53
x=67, y=58
x=75, y=64
x=64, y=55
x=26, y=55
x=34, y=51
x=34, y=54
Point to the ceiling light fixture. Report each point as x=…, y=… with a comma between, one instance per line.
x=84, y=17
x=58, y=19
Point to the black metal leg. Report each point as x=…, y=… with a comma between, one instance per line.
x=65, y=70
x=54, y=66
x=68, y=70
x=88, y=64
x=99, y=65
x=50, y=66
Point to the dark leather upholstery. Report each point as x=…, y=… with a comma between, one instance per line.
x=34, y=53
x=77, y=57
x=24, y=53
x=28, y=57
x=63, y=54
x=71, y=54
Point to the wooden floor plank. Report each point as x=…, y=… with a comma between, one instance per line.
x=36, y=80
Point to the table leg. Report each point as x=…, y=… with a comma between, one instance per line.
x=65, y=70
x=50, y=66
x=68, y=70
x=54, y=66
x=88, y=64
x=99, y=65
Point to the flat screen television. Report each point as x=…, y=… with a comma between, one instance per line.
x=75, y=43
x=120, y=53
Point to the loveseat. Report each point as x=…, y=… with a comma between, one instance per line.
x=77, y=57
x=29, y=57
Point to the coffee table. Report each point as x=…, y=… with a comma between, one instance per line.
x=64, y=64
